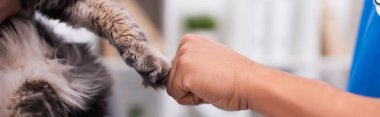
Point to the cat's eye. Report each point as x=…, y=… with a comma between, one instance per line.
x=377, y=2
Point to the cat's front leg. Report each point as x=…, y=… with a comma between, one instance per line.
x=112, y=22
x=123, y=33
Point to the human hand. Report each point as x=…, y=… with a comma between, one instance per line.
x=8, y=8
x=207, y=72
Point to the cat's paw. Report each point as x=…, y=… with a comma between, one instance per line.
x=157, y=75
x=147, y=61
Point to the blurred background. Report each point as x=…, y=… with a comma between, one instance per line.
x=311, y=38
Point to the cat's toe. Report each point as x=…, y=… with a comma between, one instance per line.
x=158, y=76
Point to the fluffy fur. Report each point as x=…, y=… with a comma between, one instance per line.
x=42, y=76
x=112, y=22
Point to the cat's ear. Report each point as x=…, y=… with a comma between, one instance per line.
x=37, y=99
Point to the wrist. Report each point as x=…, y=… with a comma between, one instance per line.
x=263, y=87
x=247, y=83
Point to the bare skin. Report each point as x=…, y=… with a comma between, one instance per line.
x=8, y=8
x=207, y=72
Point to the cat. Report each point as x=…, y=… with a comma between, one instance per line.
x=43, y=76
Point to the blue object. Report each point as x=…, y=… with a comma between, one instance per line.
x=365, y=72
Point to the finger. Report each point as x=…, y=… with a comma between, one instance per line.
x=172, y=73
x=175, y=84
x=177, y=90
x=219, y=107
x=187, y=37
x=190, y=99
x=225, y=108
x=176, y=87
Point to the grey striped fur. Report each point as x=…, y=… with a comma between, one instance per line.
x=42, y=76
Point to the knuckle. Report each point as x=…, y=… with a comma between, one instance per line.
x=183, y=61
x=187, y=81
x=189, y=37
x=184, y=49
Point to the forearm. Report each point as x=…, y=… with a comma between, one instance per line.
x=276, y=93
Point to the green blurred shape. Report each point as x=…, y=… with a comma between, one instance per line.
x=136, y=111
x=201, y=22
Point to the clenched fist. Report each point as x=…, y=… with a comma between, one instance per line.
x=207, y=72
